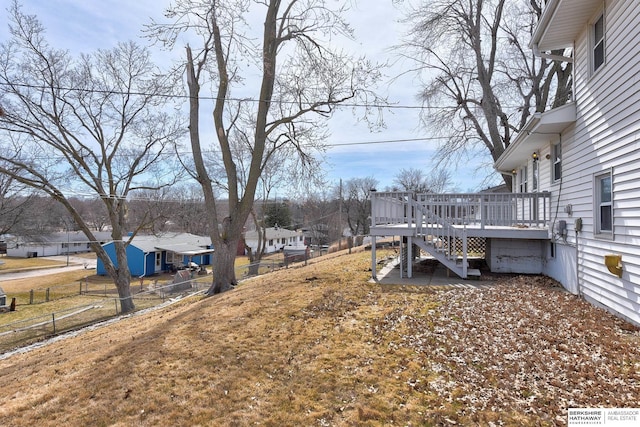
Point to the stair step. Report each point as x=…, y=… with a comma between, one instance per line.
x=473, y=272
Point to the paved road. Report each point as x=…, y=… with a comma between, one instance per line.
x=75, y=263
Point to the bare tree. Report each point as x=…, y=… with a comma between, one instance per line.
x=187, y=210
x=95, y=214
x=320, y=214
x=95, y=125
x=15, y=205
x=357, y=203
x=483, y=82
x=411, y=179
x=294, y=79
x=437, y=181
x=280, y=168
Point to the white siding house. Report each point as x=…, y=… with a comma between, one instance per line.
x=589, y=153
x=276, y=239
x=52, y=244
x=574, y=210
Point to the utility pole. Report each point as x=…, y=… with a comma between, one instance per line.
x=340, y=216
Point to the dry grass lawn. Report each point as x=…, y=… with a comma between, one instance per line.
x=319, y=345
x=46, y=281
x=15, y=263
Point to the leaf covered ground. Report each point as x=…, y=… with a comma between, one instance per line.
x=320, y=345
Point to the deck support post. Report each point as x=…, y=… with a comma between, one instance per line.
x=374, y=263
x=402, y=257
x=409, y=257
x=465, y=265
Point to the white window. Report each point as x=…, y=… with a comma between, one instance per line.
x=522, y=179
x=556, y=157
x=604, y=205
x=598, y=46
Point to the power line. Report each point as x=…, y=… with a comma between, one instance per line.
x=171, y=153
x=212, y=98
x=384, y=141
x=234, y=99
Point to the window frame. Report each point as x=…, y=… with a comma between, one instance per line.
x=597, y=46
x=598, y=230
x=556, y=162
x=523, y=179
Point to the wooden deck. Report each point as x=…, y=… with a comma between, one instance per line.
x=442, y=224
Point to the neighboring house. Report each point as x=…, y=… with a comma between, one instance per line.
x=150, y=254
x=574, y=213
x=277, y=238
x=52, y=244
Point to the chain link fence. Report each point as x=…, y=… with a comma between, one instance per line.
x=99, y=301
x=98, y=306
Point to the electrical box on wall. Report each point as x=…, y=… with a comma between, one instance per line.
x=561, y=228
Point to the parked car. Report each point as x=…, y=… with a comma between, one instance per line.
x=191, y=266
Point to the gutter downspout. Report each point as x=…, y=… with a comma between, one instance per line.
x=144, y=263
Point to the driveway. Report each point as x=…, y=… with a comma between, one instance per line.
x=75, y=263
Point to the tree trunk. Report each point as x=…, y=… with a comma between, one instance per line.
x=123, y=284
x=224, y=271
x=122, y=277
x=254, y=266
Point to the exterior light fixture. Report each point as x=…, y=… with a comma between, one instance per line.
x=534, y=156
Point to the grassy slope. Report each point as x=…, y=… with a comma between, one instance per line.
x=320, y=345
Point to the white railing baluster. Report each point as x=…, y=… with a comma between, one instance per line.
x=483, y=210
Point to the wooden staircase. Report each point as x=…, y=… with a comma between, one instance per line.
x=436, y=236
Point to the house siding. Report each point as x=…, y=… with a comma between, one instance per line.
x=605, y=138
x=276, y=236
x=142, y=250
x=135, y=258
x=111, y=251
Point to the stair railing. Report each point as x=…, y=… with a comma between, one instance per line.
x=439, y=232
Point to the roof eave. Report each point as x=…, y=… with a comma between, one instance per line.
x=561, y=22
x=535, y=134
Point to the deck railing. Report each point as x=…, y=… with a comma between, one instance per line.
x=474, y=209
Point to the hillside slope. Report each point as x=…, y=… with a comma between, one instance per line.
x=319, y=345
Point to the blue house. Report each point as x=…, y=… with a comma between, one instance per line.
x=150, y=254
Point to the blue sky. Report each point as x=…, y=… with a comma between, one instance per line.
x=83, y=26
